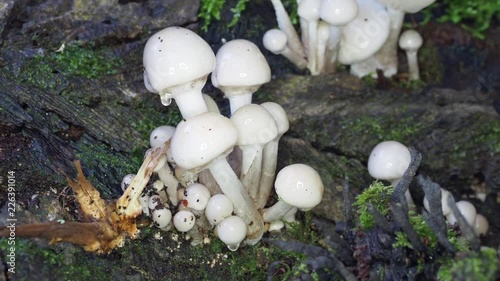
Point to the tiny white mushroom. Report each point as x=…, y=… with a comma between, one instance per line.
x=467, y=210
x=241, y=69
x=218, y=208
x=410, y=41
x=184, y=221
x=481, y=225
x=275, y=41
x=176, y=65
x=196, y=196
x=162, y=217
x=126, y=181
x=298, y=186
x=256, y=128
x=154, y=201
x=388, y=161
x=444, y=202
x=159, y=136
x=232, y=230
x=286, y=25
x=144, y=202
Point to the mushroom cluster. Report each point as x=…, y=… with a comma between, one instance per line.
x=360, y=33
x=218, y=172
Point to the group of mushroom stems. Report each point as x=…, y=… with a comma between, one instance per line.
x=364, y=34
x=217, y=172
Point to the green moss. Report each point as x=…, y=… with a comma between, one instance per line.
x=478, y=266
x=423, y=230
x=302, y=230
x=378, y=195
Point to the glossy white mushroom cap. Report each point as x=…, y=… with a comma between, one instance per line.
x=338, y=12
x=467, y=210
x=160, y=135
x=240, y=64
x=126, y=181
x=201, y=138
x=274, y=40
x=255, y=125
x=196, y=196
x=174, y=56
x=481, y=225
x=184, y=221
x=299, y=185
x=365, y=34
x=388, y=160
x=444, y=202
x=161, y=217
x=154, y=201
x=232, y=230
x=309, y=9
x=218, y=208
x=410, y=40
x=279, y=116
x=407, y=6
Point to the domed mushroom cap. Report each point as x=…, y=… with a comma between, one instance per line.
x=160, y=135
x=173, y=56
x=232, y=230
x=338, y=12
x=255, y=125
x=388, y=160
x=240, y=63
x=218, y=208
x=161, y=217
x=201, y=138
x=299, y=185
x=279, y=116
x=196, y=196
x=365, y=34
x=410, y=40
x=481, y=225
x=274, y=40
x=467, y=210
x=184, y=221
x=309, y=9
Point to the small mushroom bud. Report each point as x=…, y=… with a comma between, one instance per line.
x=162, y=217
x=232, y=230
x=481, y=225
x=196, y=196
x=126, y=181
x=467, y=210
x=411, y=41
x=184, y=221
x=218, y=208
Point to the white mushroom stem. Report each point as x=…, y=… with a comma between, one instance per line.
x=323, y=36
x=235, y=191
x=309, y=10
x=128, y=204
x=251, y=168
x=269, y=162
x=414, y=73
x=236, y=101
x=189, y=98
x=275, y=40
x=169, y=180
x=276, y=211
x=285, y=24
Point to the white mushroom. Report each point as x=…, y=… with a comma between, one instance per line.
x=232, y=230
x=388, y=161
x=126, y=181
x=467, y=210
x=184, y=221
x=411, y=41
x=365, y=34
x=241, y=69
x=167, y=177
x=162, y=217
x=159, y=136
x=481, y=225
x=256, y=127
x=298, y=186
x=176, y=65
x=218, y=208
x=203, y=141
x=308, y=10
x=444, y=202
x=196, y=196
x=270, y=153
x=275, y=41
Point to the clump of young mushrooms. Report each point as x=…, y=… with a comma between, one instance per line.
x=363, y=34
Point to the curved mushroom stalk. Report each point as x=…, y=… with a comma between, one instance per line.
x=286, y=25
x=166, y=175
